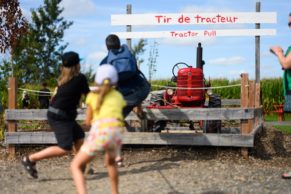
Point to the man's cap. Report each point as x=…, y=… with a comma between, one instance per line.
x=70, y=59
x=106, y=72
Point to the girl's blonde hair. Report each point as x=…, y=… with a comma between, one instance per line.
x=103, y=90
x=67, y=73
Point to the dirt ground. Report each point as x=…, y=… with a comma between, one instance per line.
x=169, y=170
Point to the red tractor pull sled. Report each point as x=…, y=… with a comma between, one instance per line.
x=189, y=93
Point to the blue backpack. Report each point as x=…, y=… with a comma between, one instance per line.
x=124, y=62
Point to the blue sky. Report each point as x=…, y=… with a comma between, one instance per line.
x=225, y=57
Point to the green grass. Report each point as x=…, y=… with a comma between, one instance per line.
x=284, y=129
x=274, y=117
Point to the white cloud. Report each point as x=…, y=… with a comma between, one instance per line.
x=236, y=60
x=97, y=55
x=203, y=8
x=80, y=41
x=235, y=74
x=231, y=74
x=95, y=58
x=78, y=8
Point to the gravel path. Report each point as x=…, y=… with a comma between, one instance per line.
x=167, y=170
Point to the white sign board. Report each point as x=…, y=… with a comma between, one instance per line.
x=194, y=18
x=197, y=33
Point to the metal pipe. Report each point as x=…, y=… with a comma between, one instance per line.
x=199, y=57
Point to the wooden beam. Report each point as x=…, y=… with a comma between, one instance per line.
x=257, y=102
x=252, y=90
x=230, y=102
x=244, y=104
x=12, y=99
x=151, y=114
x=141, y=138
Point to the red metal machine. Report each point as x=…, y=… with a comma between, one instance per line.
x=190, y=92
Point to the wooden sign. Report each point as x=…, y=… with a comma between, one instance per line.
x=194, y=18
x=196, y=33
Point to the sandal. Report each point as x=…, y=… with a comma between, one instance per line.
x=119, y=162
x=29, y=166
x=286, y=175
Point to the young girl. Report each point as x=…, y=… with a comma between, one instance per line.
x=62, y=113
x=104, y=113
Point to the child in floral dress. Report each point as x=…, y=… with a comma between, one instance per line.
x=104, y=113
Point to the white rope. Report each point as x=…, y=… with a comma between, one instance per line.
x=204, y=88
x=160, y=86
x=35, y=91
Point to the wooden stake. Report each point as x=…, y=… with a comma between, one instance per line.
x=252, y=90
x=257, y=101
x=244, y=104
x=12, y=96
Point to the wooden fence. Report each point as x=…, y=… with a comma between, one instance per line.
x=249, y=114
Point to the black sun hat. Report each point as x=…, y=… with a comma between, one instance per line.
x=70, y=59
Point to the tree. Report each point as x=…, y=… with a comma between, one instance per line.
x=152, y=60
x=40, y=49
x=48, y=31
x=12, y=25
x=138, y=50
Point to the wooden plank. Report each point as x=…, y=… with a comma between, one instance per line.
x=252, y=88
x=194, y=18
x=12, y=103
x=244, y=100
x=197, y=114
x=257, y=101
x=259, y=115
x=244, y=103
x=188, y=34
x=151, y=114
x=230, y=102
x=142, y=138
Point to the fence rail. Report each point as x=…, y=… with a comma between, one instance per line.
x=151, y=114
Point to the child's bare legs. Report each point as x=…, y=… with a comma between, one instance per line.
x=78, y=145
x=49, y=152
x=52, y=151
x=77, y=164
x=112, y=171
